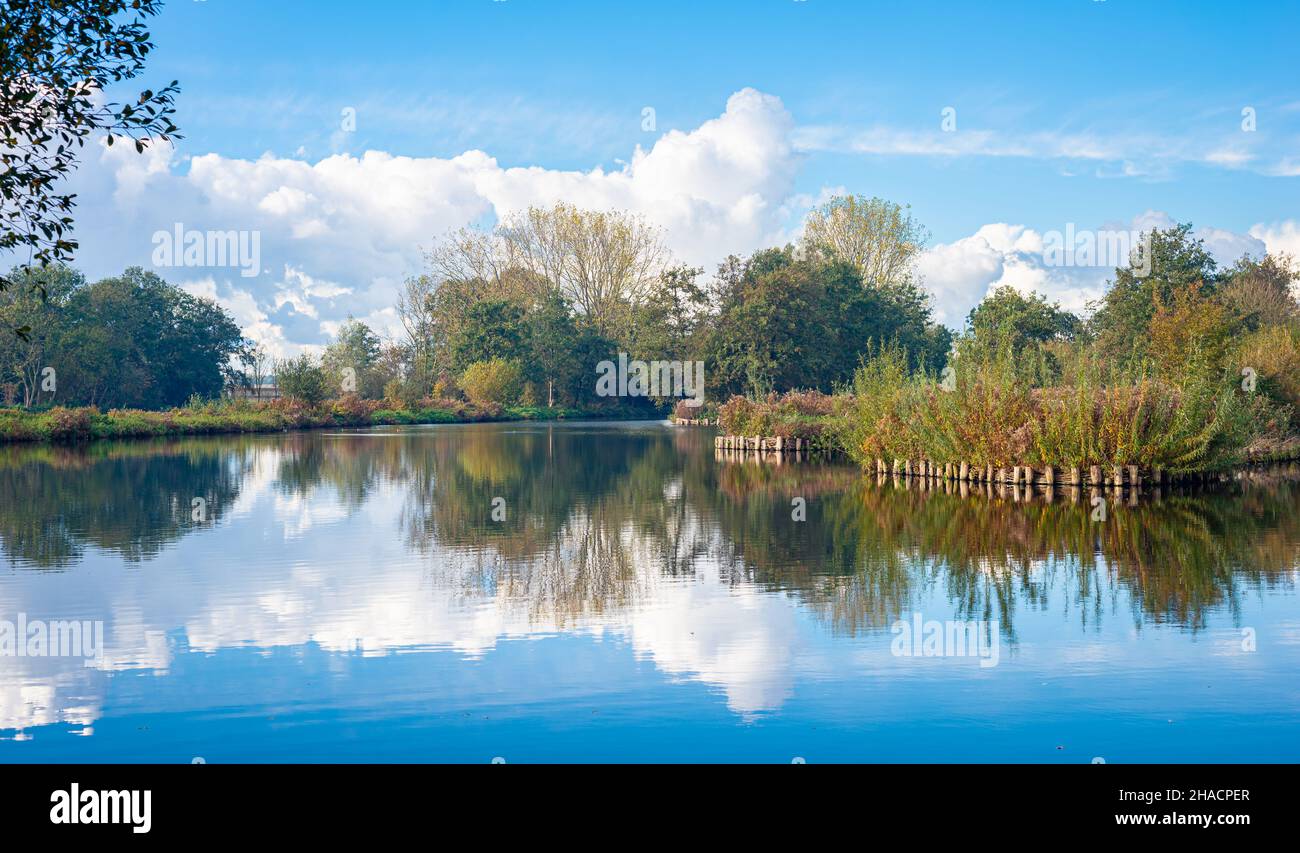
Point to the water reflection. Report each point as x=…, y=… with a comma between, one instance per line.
x=372, y=543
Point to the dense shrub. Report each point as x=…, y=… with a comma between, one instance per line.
x=685, y=410
x=496, y=382
x=1273, y=353
x=795, y=414
x=302, y=379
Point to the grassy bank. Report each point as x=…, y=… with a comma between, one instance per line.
x=61, y=425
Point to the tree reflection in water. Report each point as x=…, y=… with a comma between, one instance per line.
x=598, y=515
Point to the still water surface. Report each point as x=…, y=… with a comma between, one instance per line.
x=349, y=596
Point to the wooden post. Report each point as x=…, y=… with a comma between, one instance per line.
x=1118, y=474
x=1094, y=476
x=1074, y=476
x=963, y=473
x=1133, y=479
x=1049, y=474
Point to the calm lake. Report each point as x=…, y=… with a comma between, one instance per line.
x=602, y=592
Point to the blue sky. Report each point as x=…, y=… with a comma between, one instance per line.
x=1069, y=112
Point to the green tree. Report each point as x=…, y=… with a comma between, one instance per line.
x=491, y=328
x=589, y=350
x=666, y=324
x=38, y=304
x=552, y=338
x=357, y=348
x=302, y=379
x=57, y=58
x=1174, y=261
x=135, y=340
x=1008, y=316
x=794, y=320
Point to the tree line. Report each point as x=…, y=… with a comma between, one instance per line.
x=128, y=341
x=522, y=313
x=538, y=301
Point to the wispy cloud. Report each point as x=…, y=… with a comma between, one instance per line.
x=1116, y=155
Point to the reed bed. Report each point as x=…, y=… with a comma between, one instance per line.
x=987, y=414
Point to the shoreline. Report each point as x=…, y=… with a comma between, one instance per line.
x=61, y=425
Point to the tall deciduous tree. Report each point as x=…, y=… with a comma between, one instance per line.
x=37, y=303
x=602, y=262
x=879, y=238
x=130, y=340
x=135, y=340
x=553, y=337
x=357, y=348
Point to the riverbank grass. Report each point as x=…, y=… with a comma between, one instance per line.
x=61, y=424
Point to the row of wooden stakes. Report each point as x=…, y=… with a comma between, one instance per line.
x=766, y=457
x=1130, y=476
x=1017, y=492
x=695, y=421
x=755, y=442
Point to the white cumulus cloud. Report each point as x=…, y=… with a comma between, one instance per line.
x=340, y=234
